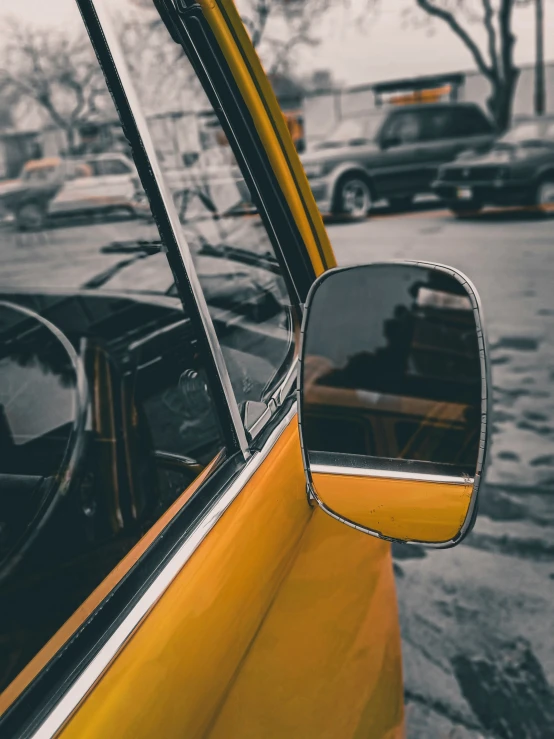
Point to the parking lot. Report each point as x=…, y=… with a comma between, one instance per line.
x=477, y=620
x=494, y=595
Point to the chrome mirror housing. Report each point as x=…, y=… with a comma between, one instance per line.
x=393, y=400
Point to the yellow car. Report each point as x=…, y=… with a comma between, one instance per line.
x=210, y=433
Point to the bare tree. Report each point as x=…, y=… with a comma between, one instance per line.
x=496, y=62
x=55, y=72
x=278, y=28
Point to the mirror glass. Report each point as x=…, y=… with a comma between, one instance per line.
x=392, y=370
x=392, y=400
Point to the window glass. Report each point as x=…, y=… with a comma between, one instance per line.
x=39, y=174
x=233, y=255
x=93, y=168
x=536, y=130
x=436, y=124
x=405, y=128
x=113, y=166
x=105, y=412
x=469, y=122
x=363, y=128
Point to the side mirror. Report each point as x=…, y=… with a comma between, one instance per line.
x=393, y=400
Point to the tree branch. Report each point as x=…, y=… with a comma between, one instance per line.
x=491, y=35
x=448, y=18
x=262, y=10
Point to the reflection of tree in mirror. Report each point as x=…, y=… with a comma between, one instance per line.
x=430, y=351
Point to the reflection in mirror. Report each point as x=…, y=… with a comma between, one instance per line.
x=392, y=377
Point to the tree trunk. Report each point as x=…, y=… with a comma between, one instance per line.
x=501, y=100
x=70, y=135
x=539, y=62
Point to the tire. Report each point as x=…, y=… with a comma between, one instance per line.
x=467, y=210
x=352, y=197
x=30, y=217
x=544, y=196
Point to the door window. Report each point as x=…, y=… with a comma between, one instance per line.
x=106, y=415
x=467, y=121
x=113, y=166
x=232, y=252
x=404, y=128
x=436, y=124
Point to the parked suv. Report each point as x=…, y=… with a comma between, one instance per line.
x=392, y=154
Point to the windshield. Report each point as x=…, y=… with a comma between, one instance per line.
x=39, y=174
x=529, y=132
x=354, y=130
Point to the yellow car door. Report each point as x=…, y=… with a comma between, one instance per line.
x=185, y=566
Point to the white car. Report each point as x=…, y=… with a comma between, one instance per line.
x=104, y=185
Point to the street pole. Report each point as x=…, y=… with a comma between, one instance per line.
x=540, y=102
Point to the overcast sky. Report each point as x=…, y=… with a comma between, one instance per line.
x=384, y=49
x=356, y=53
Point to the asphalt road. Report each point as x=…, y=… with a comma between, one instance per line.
x=478, y=621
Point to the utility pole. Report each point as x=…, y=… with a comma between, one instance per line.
x=540, y=93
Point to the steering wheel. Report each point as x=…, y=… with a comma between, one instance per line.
x=43, y=412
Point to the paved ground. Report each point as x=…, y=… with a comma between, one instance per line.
x=477, y=621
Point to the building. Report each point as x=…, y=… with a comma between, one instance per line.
x=324, y=110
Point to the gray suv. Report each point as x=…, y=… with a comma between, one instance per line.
x=392, y=154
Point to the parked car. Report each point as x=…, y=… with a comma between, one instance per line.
x=27, y=197
x=517, y=171
x=104, y=184
x=392, y=154
x=208, y=183
x=59, y=187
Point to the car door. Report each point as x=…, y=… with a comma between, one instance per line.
x=79, y=190
x=398, y=173
x=227, y=606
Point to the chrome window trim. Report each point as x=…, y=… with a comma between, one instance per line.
x=277, y=399
x=327, y=469
x=122, y=71
x=86, y=681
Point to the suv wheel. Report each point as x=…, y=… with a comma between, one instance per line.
x=353, y=197
x=544, y=199
x=30, y=217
